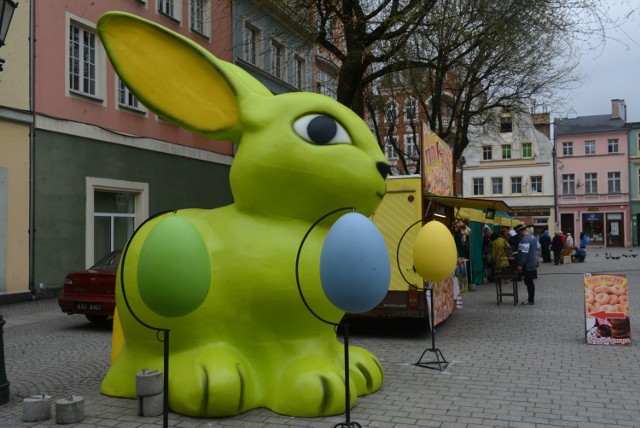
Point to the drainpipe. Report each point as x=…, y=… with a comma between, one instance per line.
x=32, y=152
x=555, y=188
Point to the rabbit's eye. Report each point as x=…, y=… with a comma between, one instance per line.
x=321, y=130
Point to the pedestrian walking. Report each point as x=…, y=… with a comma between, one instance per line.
x=556, y=246
x=527, y=259
x=545, y=246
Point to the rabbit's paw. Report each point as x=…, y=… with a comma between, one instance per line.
x=211, y=381
x=311, y=387
x=365, y=371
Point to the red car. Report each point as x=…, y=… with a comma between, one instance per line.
x=91, y=292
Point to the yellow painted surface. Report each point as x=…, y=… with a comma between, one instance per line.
x=393, y=217
x=14, y=156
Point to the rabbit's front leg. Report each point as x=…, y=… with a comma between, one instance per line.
x=211, y=381
x=314, y=385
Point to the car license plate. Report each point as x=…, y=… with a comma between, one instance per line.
x=89, y=307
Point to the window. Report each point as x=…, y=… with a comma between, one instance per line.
x=326, y=84
x=506, y=151
x=487, y=152
x=536, y=184
x=568, y=184
x=590, y=147
x=591, y=183
x=126, y=98
x=277, y=59
x=410, y=110
x=516, y=185
x=567, y=148
x=251, y=40
x=300, y=72
x=82, y=61
x=496, y=185
x=506, y=124
x=478, y=186
x=113, y=209
x=199, y=11
x=613, y=182
x=410, y=147
x=527, y=150
x=390, y=112
x=170, y=8
x=612, y=145
x=389, y=149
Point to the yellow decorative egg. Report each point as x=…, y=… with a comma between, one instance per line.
x=434, y=252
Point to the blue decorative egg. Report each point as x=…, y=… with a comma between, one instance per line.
x=354, y=264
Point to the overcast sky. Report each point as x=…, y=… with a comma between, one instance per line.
x=612, y=71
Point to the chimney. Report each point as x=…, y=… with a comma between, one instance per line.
x=542, y=123
x=618, y=110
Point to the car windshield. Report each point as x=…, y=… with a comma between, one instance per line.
x=110, y=261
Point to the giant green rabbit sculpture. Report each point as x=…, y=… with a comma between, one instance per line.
x=223, y=280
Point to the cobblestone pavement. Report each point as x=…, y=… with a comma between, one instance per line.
x=510, y=366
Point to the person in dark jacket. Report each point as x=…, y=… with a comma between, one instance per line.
x=527, y=259
x=545, y=246
x=557, y=245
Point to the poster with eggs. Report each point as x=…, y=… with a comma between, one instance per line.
x=606, y=303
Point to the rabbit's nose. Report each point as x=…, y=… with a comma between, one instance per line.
x=384, y=169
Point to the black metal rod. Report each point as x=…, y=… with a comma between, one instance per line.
x=4, y=382
x=165, y=399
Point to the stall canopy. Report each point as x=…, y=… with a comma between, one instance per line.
x=476, y=209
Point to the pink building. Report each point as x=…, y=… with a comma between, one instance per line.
x=592, y=181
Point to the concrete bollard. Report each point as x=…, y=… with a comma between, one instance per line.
x=152, y=405
x=148, y=383
x=70, y=410
x=36, y=408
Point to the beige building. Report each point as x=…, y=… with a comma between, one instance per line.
x=15, y=124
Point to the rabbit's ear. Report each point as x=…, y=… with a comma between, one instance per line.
x=175, y=77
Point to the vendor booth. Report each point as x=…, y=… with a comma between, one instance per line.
x=474, y=212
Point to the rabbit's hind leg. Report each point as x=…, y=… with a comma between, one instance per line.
x=365, y=370
x=211, y=381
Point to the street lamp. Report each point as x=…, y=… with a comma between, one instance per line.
x=7, y=7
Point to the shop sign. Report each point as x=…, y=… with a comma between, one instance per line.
x=593, y=209
x=606, y=303
x=437, y=164
x=592, y=217
x=540, y=212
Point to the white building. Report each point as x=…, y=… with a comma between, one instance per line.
x=513, y=162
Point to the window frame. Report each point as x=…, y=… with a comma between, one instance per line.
x=567, y=148
x=516, y=185
x=536, y=183
x=96, y=91
x=590, y=147
x=279, y=61
x=172, y=9
x=410, y=106
x=568, y=184
x=591, y=183
x=497, y=185
x=613, y=146
x=133, y=103
x=506, y=124
x=506, y=151
x=614, y=182
x=527, y=147
x=487, y=153
x=199, y=11
x=478, y=186
x=389, y=149
x=411, y=147
x=299, y=72
x=251, y=44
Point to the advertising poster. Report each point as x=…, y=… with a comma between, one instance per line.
x=606, y=300
x=445, y=296
x=437, y=164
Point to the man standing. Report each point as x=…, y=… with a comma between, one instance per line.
x=527, y=259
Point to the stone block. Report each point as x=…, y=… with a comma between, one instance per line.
x=152, y=405
x=70, y=410
x=149, y=383
x=36, y=408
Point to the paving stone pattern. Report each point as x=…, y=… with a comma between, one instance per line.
x=510, y=366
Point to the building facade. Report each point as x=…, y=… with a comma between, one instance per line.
x=15, y=130
x=592, y=170
x=513, y=162
x=634, y=181
x=103, y=162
